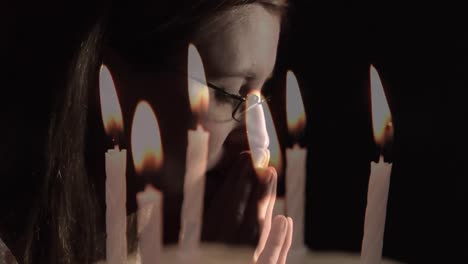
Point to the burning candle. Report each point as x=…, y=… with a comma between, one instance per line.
x=295, y=162
x=116, y=162
x=379, y=179
x=147, y=157
x=196, y=159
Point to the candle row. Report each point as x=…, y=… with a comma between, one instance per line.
x=147, y=153
x=147, y=157
x=379, y=178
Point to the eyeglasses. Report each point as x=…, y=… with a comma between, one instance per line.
x=228, y=106
x=239, y=106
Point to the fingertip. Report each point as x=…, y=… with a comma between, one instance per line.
x=280, y=222
x=272, y=174
x=267, y=175
x=272, y=171
x=275, y=242
x=287, y=242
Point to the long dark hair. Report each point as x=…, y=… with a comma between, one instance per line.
x=64, y=227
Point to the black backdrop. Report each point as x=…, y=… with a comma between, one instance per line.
x=420, y=53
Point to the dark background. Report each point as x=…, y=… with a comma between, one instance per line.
x=420, y=53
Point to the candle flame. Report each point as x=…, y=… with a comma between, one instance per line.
x=381, y=116
x=274, y=147
x=110, y=107
x=294, y=105
x=146, y=139
x=198, y=90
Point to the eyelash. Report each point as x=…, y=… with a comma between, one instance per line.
x=222, y=98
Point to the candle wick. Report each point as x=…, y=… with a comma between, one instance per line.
x=381, y=158
x=194, y=121
x=388, y=136
x=115, y=141
x=296, y=137
x=385, y=150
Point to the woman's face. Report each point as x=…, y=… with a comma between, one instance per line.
x=238, y=50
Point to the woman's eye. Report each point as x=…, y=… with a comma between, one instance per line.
x=223, y=98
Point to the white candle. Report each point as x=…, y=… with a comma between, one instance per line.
x=295, y=163
x=196, y=160
x=295, y=192
x=150, y=223
x=374, y=223
x=379, y=179
x=116, y=214
x=116, y=163
x=194, y=189
x=147, y=157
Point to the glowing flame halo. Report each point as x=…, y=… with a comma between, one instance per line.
x=146, y=139
x=197, y=88
x=381, y=116
x=294, y=105
x=110, y=107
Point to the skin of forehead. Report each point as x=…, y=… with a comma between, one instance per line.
x=241, y=41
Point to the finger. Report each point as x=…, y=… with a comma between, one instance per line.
x=275, y=241
x=287, y=243
x=271, y=202
x=265, y=213
x=266, y=204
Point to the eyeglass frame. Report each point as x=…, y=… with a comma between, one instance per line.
x=239, y=98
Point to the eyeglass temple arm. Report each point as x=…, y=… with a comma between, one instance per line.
x=221, y=90
x=251, y=106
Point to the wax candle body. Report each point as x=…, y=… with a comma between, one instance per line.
x=150, y=223
x=295, y=192
x=374, y=223
x=194, y=189
x=116, y=212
